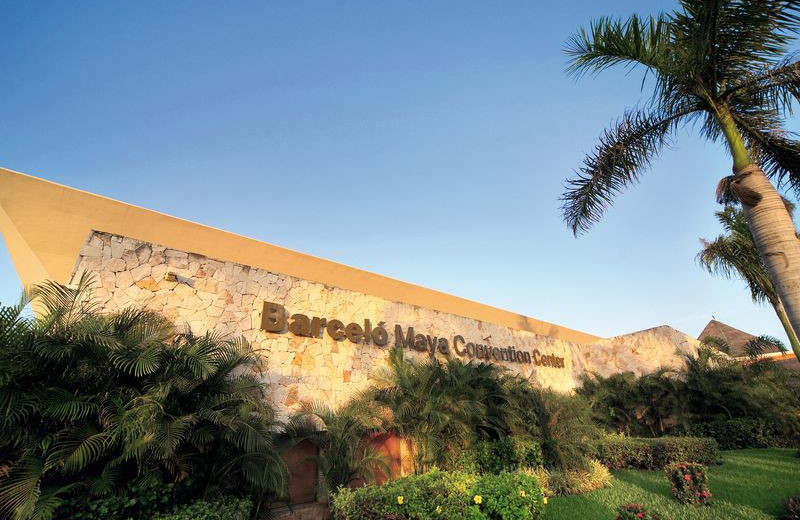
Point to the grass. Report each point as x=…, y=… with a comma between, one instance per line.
x=749, y=485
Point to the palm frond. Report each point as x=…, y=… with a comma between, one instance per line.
x=616, y=163
x=756, y=346
x=718, y=343
x=608, y=42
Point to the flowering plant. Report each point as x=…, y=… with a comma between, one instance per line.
x=635, y=512
x=689, y=483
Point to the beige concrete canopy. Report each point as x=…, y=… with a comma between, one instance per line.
x=45, y=224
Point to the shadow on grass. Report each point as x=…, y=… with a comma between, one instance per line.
x=647, y=481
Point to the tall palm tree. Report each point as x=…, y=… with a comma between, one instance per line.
x=342, y=435
x=735, y=254
x=722, y=64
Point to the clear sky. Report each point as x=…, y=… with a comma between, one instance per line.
x=425, y=141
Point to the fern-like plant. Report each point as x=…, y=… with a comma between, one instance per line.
x=91, y=401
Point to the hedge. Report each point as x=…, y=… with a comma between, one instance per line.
x=444, y=494
x=737, y=434
x=635, y=452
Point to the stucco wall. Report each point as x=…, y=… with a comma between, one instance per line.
x=207, y=294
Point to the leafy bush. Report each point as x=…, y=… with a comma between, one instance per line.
x=736, y=434
x=93, y=401
x=509, y=496
x=134, y=502
x=341, y=435
x=635, y=512
x=557, y=482
x=689, y=483
x=618, y=452
x=792, y=509
x=225, y=509
x=443, y=406
x=506, y=454
x=568, y=433
x=444, y=494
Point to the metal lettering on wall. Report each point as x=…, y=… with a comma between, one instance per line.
x=275, y=318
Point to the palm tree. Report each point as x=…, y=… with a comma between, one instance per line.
x=719, y=63
x=735, y=254
x=434, y=415
x=443, y=407
x=89, y=402
x=342, y=435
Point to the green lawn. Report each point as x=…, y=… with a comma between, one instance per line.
x=749, y=485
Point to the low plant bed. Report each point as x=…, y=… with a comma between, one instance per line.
x=749, y=485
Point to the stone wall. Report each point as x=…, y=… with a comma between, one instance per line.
x=212, y=295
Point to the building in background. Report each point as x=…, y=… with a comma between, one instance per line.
x=738, y=340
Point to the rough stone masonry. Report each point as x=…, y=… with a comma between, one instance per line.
x=212, y=295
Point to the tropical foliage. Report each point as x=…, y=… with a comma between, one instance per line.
x=447, y=407
x=443, y=406
x=734, y=254
x=91, y=402
x=722, y=67
x=343, y=436
x=710, y=388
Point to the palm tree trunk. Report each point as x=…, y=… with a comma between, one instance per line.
x=774, y=234
x=770, y=223
x=781, y=312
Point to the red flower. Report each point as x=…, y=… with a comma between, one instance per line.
x=687, y=478
x=639, y=515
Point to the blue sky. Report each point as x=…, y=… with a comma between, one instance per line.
x=424, y=141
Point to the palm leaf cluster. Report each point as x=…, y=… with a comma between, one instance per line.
x=90, y=402
x=443, y=406
x=733, y=254
x=344, y=437
x=717, y=65
x=754, y=348
x=711, y=387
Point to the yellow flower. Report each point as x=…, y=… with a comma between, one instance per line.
x=522, y=492
x=544, y=500
x=477, y=499
x=438, y=509
x=400, y=499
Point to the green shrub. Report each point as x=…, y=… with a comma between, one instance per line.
x=449, y=495
x=506, y=454
x=689, y=483
x=509, y=496
x=568, y=433
x=618, y=452
x=134, y=502
x=225, y=509
x=557, y=482
x=635, y=512
x=736, y=434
